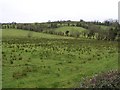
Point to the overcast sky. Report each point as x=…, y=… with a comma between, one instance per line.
x=44, y=10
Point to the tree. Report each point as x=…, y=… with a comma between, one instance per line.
x=92, y=30
x=68, y=24
x=78, y=24
x=53, y=25
x=67, y=32
x=8, y=26
x=4, y=26
x=77, y=34
x=81, y=20
x=29, y=34
x=112, y=34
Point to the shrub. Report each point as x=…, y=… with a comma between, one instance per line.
x=29, y=34
x=109, y=79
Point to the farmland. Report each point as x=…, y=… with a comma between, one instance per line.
x=71, y=29
x=39, y=60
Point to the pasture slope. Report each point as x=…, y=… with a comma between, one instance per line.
x=70, y=29
x=18, y=33
x=38, y=60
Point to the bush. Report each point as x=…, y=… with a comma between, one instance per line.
x=29, y=34
x=109, y=79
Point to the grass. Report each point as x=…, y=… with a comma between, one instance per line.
x=51, y=61
x=24, y=34
x=70, y=29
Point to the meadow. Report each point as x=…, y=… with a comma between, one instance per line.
x=71, y=29
x=39, y=60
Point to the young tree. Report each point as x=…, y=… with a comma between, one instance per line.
x=67, y=32
x=112, y=34
x=29, y=34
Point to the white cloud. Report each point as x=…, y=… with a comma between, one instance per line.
x=44, y=10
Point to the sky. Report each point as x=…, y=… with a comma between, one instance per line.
x=24, y=11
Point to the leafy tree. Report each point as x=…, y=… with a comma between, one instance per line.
x=29, y=34
x=68, y=24
x=67, y=32
x=112, y=34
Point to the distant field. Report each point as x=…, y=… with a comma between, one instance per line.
x=38, y=60
x=18, y=33
x=70, y=29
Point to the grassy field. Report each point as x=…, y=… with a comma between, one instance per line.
x=50, y=61
x=70, y=29
x=12, y=33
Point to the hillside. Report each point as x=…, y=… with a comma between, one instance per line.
x=38, y=60
x=70, y=29
x=27, y=34
x=109, y=31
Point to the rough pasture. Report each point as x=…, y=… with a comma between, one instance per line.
x=53, y=62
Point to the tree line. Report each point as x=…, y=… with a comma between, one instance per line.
x=112, y=32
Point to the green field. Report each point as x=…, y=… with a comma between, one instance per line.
x=13, y=33
x=70, y=29
x=50, y=61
